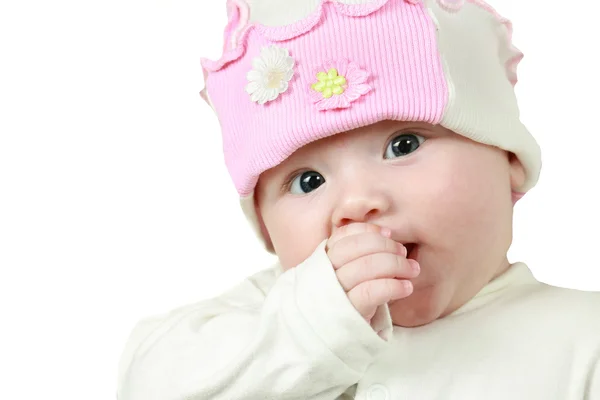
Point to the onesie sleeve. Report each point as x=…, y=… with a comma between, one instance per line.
x=299, y=338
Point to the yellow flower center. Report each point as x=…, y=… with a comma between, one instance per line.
x=274, y=79
x=329, y=83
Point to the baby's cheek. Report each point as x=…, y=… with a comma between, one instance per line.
x=295, y=242
x=450, y=207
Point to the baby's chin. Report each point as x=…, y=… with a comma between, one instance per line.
x=423, y=306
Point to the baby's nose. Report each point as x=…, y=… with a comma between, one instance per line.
x=360, y=206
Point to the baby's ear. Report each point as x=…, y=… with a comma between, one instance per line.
x=517, y=172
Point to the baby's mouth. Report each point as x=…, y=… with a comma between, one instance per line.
x=413, y=250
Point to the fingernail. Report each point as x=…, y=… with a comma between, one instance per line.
x=387, y=232
x=402, y=250
x=414, y=265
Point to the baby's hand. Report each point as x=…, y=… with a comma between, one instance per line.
x=372, y=268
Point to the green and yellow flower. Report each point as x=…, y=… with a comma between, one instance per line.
x=330, y=83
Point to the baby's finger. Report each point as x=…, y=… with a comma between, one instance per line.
x=350, y=248
x=374, y=267
x=354, y=229
x=367, y=296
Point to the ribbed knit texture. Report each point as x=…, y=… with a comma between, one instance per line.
x=435, y=61
x=395, y=44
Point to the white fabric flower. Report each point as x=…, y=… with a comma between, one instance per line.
x=270, y=75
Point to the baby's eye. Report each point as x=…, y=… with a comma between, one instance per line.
x=306, y=182
x=403, y=145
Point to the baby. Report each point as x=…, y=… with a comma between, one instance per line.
x=377, y=150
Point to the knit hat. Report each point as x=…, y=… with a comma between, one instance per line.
x=295, y=71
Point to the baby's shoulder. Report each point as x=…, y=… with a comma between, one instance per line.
x=574, y=311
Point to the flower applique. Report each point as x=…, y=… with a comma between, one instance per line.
x=451, y=5
x=338, y=83
x=271, y=72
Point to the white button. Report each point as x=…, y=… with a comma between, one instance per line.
x=378, y=392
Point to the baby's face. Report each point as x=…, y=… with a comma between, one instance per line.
x=449, y=195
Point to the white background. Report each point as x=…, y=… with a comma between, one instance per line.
x=116, y=204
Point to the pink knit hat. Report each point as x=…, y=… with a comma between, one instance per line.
x=295, y=71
